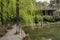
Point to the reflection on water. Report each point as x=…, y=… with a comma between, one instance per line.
x=46, y=38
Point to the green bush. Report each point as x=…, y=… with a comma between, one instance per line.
x=37, y=18
x=57, y=15
x=48, y=18
x=9, y=27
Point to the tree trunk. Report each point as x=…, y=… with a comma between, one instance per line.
x=17, y=16
x=2, y=21
x=7, y=14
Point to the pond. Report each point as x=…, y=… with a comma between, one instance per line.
x=46, y=38
x=50, y=32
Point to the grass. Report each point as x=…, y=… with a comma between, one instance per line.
x=50, y=31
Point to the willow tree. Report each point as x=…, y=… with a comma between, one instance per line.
x=7, y=14
x=2, y=21
x=26, y=11
x=7, y=11
x=17, y=11
x=17, y=15
x=5, y=8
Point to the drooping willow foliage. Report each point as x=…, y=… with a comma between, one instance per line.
x=26, y=10
x=8, y=11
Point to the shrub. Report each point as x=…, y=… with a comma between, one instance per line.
x=57, y=15
x=9, y=27
x=40, y=17
x=48, y=18
x=37, y=18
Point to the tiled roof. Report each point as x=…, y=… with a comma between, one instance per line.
x=46, y=8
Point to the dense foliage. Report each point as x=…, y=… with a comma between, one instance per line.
x=48, y=18
x=16, y=11
x=28, y=12
x=57, y=15
x=8, y=11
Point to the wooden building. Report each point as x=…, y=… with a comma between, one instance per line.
x=49, y=10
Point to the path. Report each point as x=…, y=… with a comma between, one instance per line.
x=11, y=34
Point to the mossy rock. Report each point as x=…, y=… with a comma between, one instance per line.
x=27, y=38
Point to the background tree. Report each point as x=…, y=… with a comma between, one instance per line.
x=26, y=11
x=2, y=21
